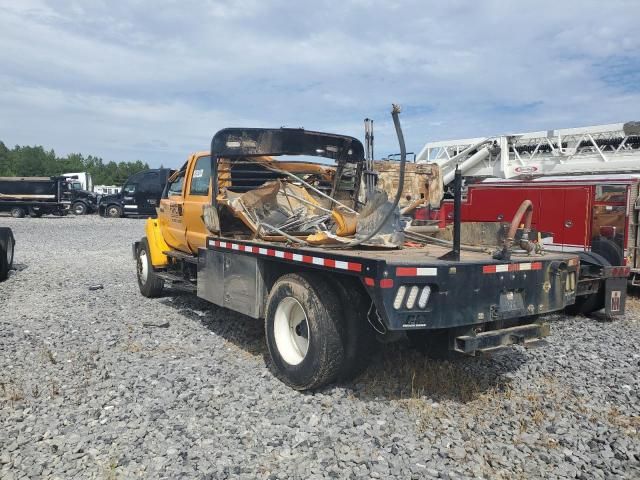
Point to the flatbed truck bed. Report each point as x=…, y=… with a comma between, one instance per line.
x=324, y=307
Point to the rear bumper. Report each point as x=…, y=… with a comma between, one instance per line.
x=491, y=340
x=466, y=295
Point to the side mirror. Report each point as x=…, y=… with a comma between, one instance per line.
x=211, y=218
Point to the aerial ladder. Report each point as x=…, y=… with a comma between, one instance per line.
x=601, y=159
x=599, y=149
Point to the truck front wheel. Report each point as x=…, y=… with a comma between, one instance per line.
x=79, y=208
x=151, y=285
x=303, y=328
x=113, y=211
x=18, y=212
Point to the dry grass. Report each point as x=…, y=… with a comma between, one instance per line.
x=12, y=392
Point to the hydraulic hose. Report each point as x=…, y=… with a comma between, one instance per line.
x=526, y=207
x=395, y=112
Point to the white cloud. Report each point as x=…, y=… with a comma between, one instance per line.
x=154, y=80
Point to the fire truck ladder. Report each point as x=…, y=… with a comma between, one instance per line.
x=598, y=149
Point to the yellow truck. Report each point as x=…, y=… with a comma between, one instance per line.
x=321, y=255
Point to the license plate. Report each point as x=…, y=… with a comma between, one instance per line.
x=511, y=302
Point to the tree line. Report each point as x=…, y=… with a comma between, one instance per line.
x=27, y=161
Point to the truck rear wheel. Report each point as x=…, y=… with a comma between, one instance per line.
x=33, y=213
x=304, y=331
x=79, y=208
x=7, y=245
x=359, y=335
x=151, y=285
x=18, y=212
x=586, y=304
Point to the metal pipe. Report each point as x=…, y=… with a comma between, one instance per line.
x=284, y=234
x=445, y=243
x=477, y=157
x=423, y=229
x=395, y=112
x=457, y=207
x=303, y=200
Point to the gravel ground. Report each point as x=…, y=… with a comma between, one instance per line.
x=108, y=384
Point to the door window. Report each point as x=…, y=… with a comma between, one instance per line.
x=151, y=184
x=201, y=177
x=129, y=188
x=175, y=187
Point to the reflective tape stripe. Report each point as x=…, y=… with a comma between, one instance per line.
x=416, y=271
x=512, y=267
x=295, y=257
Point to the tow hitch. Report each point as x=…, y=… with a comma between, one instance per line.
x=485, y=341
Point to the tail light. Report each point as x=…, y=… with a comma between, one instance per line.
x=409, y=296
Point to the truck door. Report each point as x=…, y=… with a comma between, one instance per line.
x=577, y=218
x=129, y=192
x=171, y=215
x=197, y=194
x=564, y=215
x=148, y=193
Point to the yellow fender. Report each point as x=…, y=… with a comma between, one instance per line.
x=157, y=245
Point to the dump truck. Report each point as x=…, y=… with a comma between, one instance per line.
x=33, y=196
x=319, y=253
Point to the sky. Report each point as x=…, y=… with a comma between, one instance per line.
x=154, y=80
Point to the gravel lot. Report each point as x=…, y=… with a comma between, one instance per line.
x=108, y=384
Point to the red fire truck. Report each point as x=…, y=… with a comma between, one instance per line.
x=584, y=186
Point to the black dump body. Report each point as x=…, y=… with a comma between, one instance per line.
x=41, y=194
x=41, y=189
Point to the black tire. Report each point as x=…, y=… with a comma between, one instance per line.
x=432, y=343
x=79, y=208
x=113, y=211
x=359, y=336
x=319, y=306
x=33, y=213
x=150, y=284
x=586, y=304
x=7, y=245
x=608, y=249
x=18, y=212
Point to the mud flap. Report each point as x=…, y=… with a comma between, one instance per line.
x=615, y=296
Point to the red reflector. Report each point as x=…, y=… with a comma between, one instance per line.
x=406, y=271
x=369, y=282
x=536, y=266
x=489, y=269
x=386, y=283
